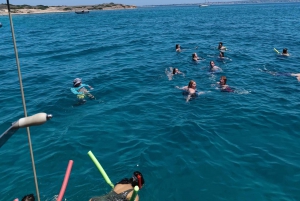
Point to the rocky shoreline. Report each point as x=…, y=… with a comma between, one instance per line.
x=27, y=9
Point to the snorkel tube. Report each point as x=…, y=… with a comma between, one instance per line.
x=134, y=194
x=140, y=181
x=100, y=168
x=276, y=51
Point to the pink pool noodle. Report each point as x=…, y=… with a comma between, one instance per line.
x=65, y=183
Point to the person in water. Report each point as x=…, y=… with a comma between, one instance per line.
x=190, y=90
x=221, y=47
x=29, y=197
x=285, y=52
x=176, y=71
x=221, y=55
x=123, y=190
x=80, y=90
x=177, y=47
x=195, y=57
x=222, y=84
x=213, y=67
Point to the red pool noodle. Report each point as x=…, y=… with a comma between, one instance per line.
x=65, y=183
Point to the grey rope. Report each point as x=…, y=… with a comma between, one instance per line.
x=23, y=99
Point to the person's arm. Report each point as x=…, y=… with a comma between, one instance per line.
x=224, y=86
x=182, y=88
x=74, y=91
x=191, y=92
x=188, y=98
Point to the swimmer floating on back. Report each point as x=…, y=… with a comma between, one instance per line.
x=195, y=57
x=172, y=72
x=80, y=90
x=189, y=90
x=297, y=75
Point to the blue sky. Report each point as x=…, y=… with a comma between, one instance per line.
x=93, y=2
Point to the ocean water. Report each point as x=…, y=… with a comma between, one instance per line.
x=218, y=146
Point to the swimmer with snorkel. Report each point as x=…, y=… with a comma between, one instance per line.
x=190, y=90
x=284, y=52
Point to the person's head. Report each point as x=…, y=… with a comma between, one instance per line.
x=223, y=80
x=175, y=71
x=29, y=197
x=192, y=84
x=212, y=64
x=76, y=82
x=221, y=54
x=220, y=45
x=285, y=51
x=194, y=55
x=137, y=179
x=177, y=46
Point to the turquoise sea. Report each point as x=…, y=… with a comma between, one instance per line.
x=217, y=147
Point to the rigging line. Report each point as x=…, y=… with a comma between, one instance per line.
x=23, y=98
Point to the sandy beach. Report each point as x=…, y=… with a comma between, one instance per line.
x=34, y=11
x=59, y=9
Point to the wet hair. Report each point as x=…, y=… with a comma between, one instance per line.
x=193, y=55
x=29, y=197
x=221, y=54
x=177, y=46
x=134, y=181
x=220, y=45
x=284, y=51
x=210, y=63
x=191, y=84
x=223, y=78
x=174, y=70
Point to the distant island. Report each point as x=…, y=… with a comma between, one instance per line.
x=27, y=9
x=230, y=2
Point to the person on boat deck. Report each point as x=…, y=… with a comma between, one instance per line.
x=195, y=57
x=285, y=52
x=176, y=71
x=221, y=47
x=222, y=84
x=123, y=190
x=177, y=47
x=213, y=67
x=80, y=90
x=189, y=90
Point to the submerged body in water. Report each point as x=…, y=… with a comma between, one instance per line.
x=297, y=75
